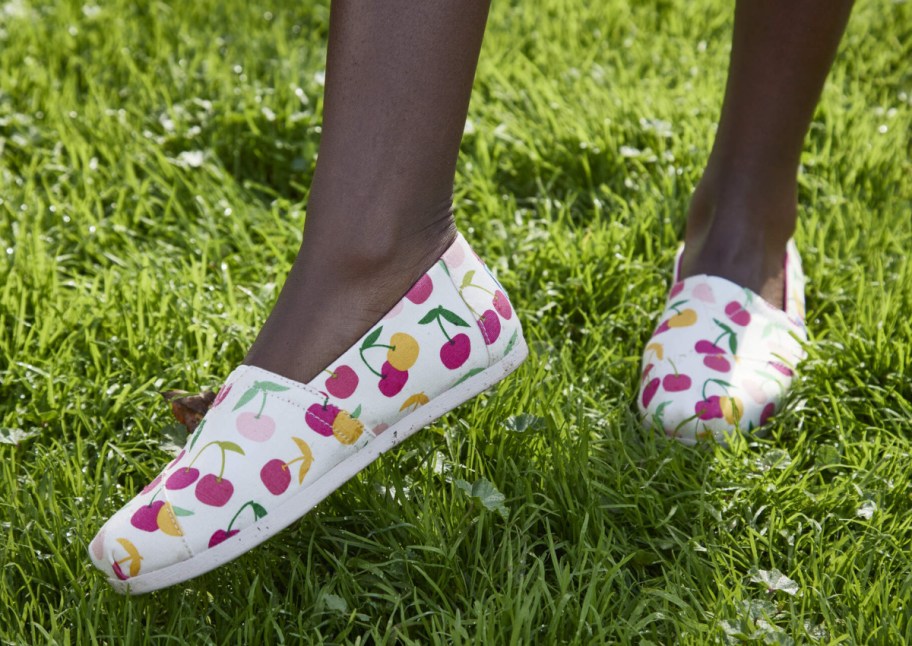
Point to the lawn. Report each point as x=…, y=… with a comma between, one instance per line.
x=154, y=166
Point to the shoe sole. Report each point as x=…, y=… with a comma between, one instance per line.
x=299, y=505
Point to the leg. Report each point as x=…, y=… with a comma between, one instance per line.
x=744, y=209
x=398, y=80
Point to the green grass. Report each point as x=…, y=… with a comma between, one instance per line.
x=153, y=178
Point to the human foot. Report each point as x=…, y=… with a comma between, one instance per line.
x=740, y=233
x=337, y=288
x=271, y=448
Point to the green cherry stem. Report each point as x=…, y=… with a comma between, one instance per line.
x=262, y=406
x=206, y=446
x=443, y=329
x=196, y=435
x=674, y=367
x=486, y=291
x=154, y=496
x=364, y=361
x=246, y=504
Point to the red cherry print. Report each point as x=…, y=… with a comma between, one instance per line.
x=454, y=352
x=716, y=362
x=490, y=326
x=708, y=347
x=710, y=408
x=342, y=382
x=221, y=536
x=320, y=418
x=392, y=381
x=676, y=383
x=221, y=396
x=276, y=475
x=182, y=478
x=502, y=305
x=214, y=491
x=421, y=290
x=650, y=390
x=737, y=314
x=146, y=517
x=768, y=411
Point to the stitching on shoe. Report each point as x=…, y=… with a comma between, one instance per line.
x=296, y=384
x=183, y=536
x=321, y=421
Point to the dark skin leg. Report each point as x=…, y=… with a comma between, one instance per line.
x=398, y=79
x=744, y=209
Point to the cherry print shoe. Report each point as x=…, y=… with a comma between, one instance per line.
x=721, y=358
x=269, y=449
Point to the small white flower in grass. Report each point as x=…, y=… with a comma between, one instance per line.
x=866, y=510
x=774, y=580
x=191, y=158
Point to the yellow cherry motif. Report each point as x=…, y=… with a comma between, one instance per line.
x=346, y=428
x=685, y=318
x=404, y=351
x=732, y=409
x=413, y=402
x=167, y=521
x=657, y=349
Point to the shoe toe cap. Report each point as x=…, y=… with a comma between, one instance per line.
x=694, y=397
x=142, y=537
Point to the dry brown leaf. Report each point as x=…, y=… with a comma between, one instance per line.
x=189, y=409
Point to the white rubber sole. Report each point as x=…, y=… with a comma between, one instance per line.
x=305, y=500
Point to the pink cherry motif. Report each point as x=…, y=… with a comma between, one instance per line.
x=97, y=545
x=768, y=411
x=119, y=571
x=676, y=383
x=454, y=256
x=276, y=476
x=393, y=312
x=214, y=491
x=146, y=517
x=176, y=460
x=421, y=290
x=392, y=381
x=149, y=487
x=755, y=390
x=502, y=304
x=710, y=408
x=182, y=478
x=222, y=394
x=737, y=314
x=708, y=347
x=704, y=292
x=320, y=418
x=781, y=367
x=342, y=382
x=716, y=362
x=676, y=289
x=490, y=326
x=455, y=352
x=650, y=390
x=646, y=371
x=257, y=428
x=379, y=428
x=220, y=536
x=663, y=327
